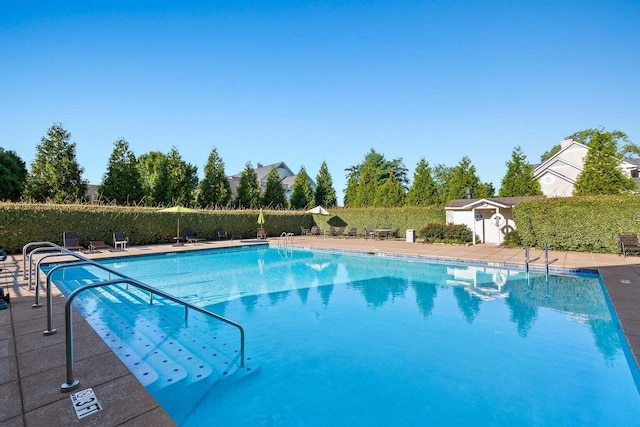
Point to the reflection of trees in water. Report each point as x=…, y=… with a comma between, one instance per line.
x=325, y=293
x=523, y=315
x=249, y=302
x=303, y=293
x=276, y=297
x=606, y=337
x=379, y=290
x=425, y=296
x=468, y=304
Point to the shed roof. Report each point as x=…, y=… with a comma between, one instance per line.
x=498, y=202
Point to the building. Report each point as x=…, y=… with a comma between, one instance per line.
x=287, y=178
x=489, y=219
x=558, y=174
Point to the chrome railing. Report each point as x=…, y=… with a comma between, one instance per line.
x=121, y=278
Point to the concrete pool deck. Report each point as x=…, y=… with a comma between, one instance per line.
x=33, y=365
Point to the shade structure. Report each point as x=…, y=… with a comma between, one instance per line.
x=319, y=210
x=261, y=217
x=179, y=210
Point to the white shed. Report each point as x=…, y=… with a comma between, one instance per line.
x=489, y=219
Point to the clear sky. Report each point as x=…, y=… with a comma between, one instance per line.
x=307, y=81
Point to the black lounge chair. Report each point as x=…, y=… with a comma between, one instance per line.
x=120, y=241
x=221, y=234
x=95, y=245
x=628, y=243
x=190, y=236
x=71, y=241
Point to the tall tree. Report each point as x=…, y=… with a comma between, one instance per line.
x=442, y=176
x=121, y=182
x=519, y=179
x=464, y=177
x=548, y=154
x=602, y=173
x=55, y=172
x=13, y=174
x=301, y=191
x=390, y=194
x=274, y=196
x=248, y=189
x=423, y=188
x=325, y=194
x=367, y=187
x=215, y=190
x=183, y=179
x=381, y=168
x=154, y=177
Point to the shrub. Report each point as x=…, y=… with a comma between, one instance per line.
x=447, y=233
x=512, y=239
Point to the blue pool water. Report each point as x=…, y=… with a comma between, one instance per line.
x=338, y=339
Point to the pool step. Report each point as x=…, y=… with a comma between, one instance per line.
x=145, y=339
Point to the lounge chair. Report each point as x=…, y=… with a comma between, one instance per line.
x=95, y=245
x=190, y=236
x=262, y=234
x=353, y=232
x=315, y=231
x=628, y=243
x=221, y=234
x=370, y=232
x=120, y=241
x=71, y=240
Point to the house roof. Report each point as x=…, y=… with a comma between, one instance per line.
x=494, y=202
x=567, y=145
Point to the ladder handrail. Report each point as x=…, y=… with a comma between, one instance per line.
x=122, y=278
x=24, y=254
x=73, y=383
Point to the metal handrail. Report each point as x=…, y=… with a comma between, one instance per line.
x=73, y=383
x=24, y=254
x=284, y=239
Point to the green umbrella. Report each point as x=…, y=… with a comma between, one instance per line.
x=261, y=217
x=178, y=209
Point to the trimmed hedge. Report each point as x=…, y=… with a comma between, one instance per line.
x=448, y=233
x=584, y=224
x=22, y=223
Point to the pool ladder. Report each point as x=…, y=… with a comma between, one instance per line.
x=546, y=259
x=73, y=383
x=285, y=240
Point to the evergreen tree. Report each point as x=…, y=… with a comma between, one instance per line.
x=248, y=189
x=423, y=189
x=602, y=173
x=183, y=180
x=301, y=192
x=215, y=190
x=442, y=176
x=13, y=174
x=325, y=194
x=274, y=196
x=381, y=167
x=55, y=172
x=463, y=177
x=519, y=179
x=121, y=183
x=390, y=194
x=154, y=178
x=367, y=187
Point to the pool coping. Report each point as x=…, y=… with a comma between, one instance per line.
x=30, y=385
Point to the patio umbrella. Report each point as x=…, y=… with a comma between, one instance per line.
x=261, y=218
x=319, y=210
x=179, y=210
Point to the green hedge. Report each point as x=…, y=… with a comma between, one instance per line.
x=585, y=224
x=22, y=223
x=447, y=233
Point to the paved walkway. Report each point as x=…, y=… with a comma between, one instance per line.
x=33, y=365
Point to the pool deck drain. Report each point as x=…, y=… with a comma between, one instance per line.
x=33, y=365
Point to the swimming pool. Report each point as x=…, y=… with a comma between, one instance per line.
x=347, y=339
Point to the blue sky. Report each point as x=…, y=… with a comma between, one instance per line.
x=307, y=81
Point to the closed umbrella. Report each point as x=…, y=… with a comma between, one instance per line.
x=261, y=233
x=179, y=210
x=261, y=218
